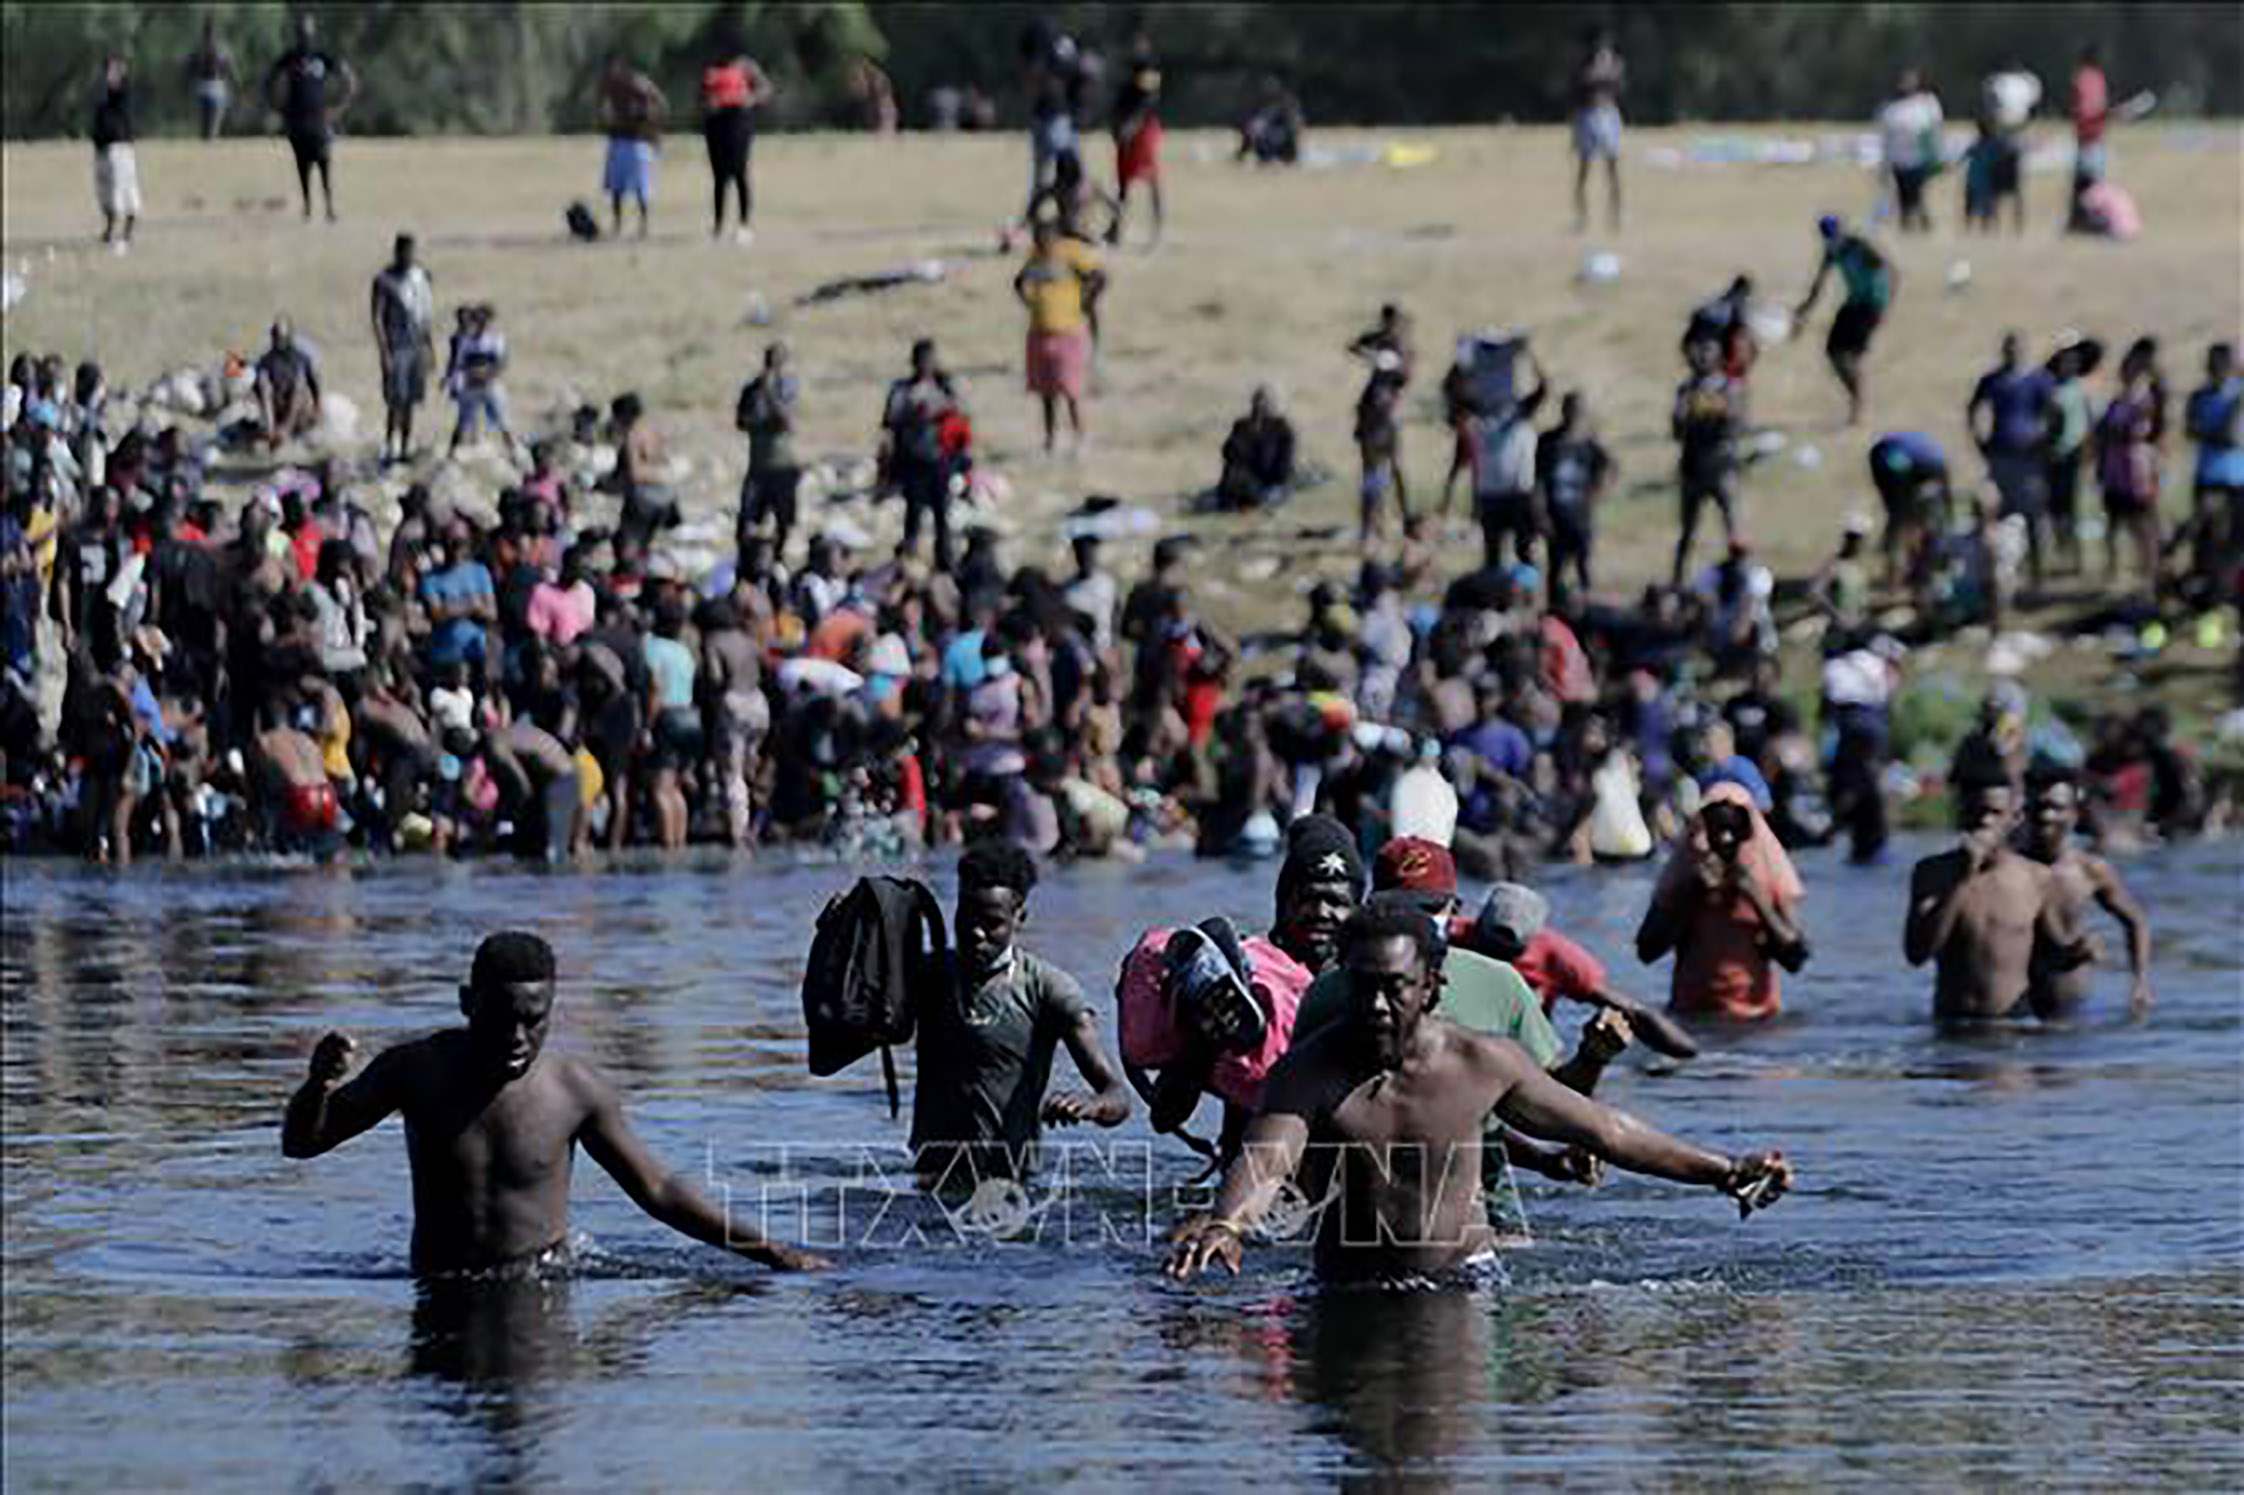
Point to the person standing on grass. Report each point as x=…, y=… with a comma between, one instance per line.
x=1597, y=125
x=1869, y=282
x=631, y=111
x=1059, y=285
x=2091, y=111
x=116, y=171
x=2011, y=415
x=297, y=90
x=478, y=359
x=2076, y=357
x=403, y=308
x=1386, y=346
x=912, y=459
x=2214, y=419
x=733, y=88
x=2131, y=459
x=1572, y=470
x=210, y=74
x=1137, y=135
x=1705, y=426
x=1909, y=131
x=766, y=415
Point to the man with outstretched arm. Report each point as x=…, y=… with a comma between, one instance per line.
x=492, y=1124
x=1392, y=1100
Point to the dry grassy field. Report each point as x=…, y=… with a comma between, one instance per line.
x=1264, y=277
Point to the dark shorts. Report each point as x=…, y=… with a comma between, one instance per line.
x=772, y=492
x=2064, y=486
x=1852, y=328
x=405, y=383
x=2023, y=483
x=2002, y=175
x=677, y=737
x=1909, y=186
x=310, y=147
x=1703, y=485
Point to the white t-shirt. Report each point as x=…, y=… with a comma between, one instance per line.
x=2012, y=97
x=1904, y=126
x=1857, y=678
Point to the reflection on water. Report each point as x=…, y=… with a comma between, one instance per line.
x=2013, y=1260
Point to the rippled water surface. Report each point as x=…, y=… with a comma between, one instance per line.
x=2013, y=1260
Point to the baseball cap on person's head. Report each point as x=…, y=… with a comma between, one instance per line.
x=1422, y=869
x=1858, y=523
x=1828, y=225
x=1512, y=915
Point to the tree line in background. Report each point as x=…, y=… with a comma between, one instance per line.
x=512, y=67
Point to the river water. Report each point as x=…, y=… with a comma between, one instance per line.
x=2015, y=1260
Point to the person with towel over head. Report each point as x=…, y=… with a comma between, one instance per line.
x=1727, y=904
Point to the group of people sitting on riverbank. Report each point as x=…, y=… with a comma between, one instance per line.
x=191, y=675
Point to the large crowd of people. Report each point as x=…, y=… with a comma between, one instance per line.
x=193, y=668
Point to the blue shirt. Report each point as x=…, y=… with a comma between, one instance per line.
x=2020, y=402
x=962, y=661
x=1910, y=452
x=461, y=638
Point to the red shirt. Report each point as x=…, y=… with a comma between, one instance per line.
x=724, y=87
x=1557, y=967
x=2091, y=103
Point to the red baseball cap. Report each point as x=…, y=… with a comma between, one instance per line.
x=1413, y=864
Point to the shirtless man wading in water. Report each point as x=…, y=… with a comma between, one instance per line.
x=2078, y=878
x=1980, y=909
x=1404, y=1094
x=492, y=1124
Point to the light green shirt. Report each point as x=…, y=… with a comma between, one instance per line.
x=1487, y=996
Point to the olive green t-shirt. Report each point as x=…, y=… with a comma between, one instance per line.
x=985, y=1057
x=1487, y=996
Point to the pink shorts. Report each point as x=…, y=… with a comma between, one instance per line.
x=1056, y=361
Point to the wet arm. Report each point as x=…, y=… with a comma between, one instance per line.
x=1539, y=1105
x=1933, y=907
x=1781, y=935
x=1109, y=1103
x=1176, y=1095
x=1268, y=1155
x=2113, y=898
x=1662, y=926
x=323, y=1114
x=607, y=1136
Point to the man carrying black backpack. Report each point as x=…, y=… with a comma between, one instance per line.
x=988, y=1027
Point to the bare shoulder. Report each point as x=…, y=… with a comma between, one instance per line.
x=584, y=1087
x=1483, y=1053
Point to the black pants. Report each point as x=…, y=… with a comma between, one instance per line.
x=1858, y=796
x=728, y=135
x=771, y=492
x=927, y=492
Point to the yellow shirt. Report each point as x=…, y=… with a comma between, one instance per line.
x=1052, y=283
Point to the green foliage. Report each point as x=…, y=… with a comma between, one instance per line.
x=521, y=67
